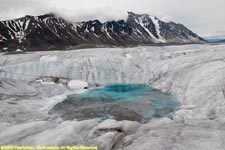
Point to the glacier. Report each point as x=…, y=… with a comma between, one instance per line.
x=194, y=73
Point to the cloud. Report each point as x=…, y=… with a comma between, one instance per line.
x=206, y=17
x=10, y=9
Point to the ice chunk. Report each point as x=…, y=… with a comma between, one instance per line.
x=77, y=85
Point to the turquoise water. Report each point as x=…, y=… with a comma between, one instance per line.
x=121, y=102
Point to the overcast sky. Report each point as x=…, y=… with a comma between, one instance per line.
x=205, y=17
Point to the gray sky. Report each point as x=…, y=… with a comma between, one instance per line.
x=205, y=17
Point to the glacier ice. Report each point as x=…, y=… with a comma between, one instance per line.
x=194, y=73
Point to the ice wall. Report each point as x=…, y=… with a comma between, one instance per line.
x=92, y=70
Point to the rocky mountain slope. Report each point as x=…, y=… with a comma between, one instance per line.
x=50, y=32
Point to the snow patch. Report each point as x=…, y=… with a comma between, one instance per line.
x=150, y=34
x=42, y=82
x=48, y=58
x=157, y=27
x=19, y=50
x=93, y=29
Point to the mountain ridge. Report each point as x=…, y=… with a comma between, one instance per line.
x=52, y=32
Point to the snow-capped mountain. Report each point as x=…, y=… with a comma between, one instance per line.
x=49, y=32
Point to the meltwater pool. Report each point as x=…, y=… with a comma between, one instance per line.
x=133, y=102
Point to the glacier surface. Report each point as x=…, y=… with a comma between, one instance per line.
x=194, y=73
